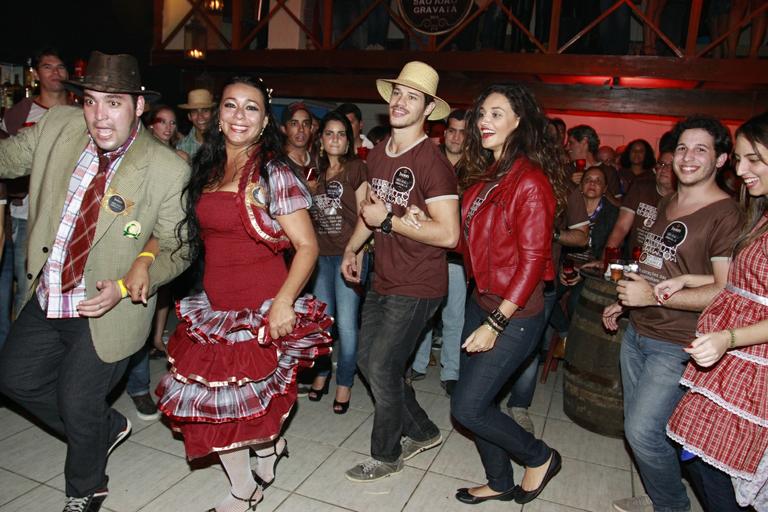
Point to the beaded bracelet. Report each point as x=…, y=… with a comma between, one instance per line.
x=493, y=323
x=490, y=328
x=732, y=344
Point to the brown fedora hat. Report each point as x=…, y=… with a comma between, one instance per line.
x=112, y=73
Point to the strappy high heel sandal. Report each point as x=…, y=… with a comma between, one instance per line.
x=252, y=501
x=277, y=456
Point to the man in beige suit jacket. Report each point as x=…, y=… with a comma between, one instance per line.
x=70, y=343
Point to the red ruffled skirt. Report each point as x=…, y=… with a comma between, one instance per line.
x=230, y=384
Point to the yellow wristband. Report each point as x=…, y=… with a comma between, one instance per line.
x=147, y=254
x=123, y=289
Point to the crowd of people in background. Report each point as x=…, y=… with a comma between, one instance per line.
x=467, y=230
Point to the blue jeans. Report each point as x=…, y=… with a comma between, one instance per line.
x=19, y=227
x=391, y=328
x=650, y=374
x=138, y=373
x=524, y=387
x=343, y=304
x=474, y=401
x=453, y=323
x=6, y=289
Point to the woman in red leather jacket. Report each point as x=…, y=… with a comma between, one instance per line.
x=508, y=211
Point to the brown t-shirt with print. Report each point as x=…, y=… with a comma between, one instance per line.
x=417, y=176
x=641, y=200
x=334, y=207
x=687, y=245
x=574, y=216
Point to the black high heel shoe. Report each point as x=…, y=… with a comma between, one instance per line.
x=340, y=407
x=316, y=395
x=284, y=453
x=252, y=501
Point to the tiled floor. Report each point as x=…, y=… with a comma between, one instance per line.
x=149, y=473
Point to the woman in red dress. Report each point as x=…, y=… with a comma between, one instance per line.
x=234, y=354
x=723, y=419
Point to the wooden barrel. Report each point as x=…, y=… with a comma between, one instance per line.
x=592, y=381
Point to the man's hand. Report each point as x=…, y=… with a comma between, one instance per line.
x=350, y=266
x=611, y=315
x=109, y=295
x=635, y=291
x=373, y=211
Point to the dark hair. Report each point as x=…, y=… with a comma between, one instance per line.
x=210, y=160
x=649, y=160
x=350, y=108
x=322, y=160
x=584, y=131
x=596, y=168
x=291, y=109
x=150, y=116
x=529, y=139
x=45, y=52
x=667, y=143
x=458, y=114
x=720, y=134
x=755, y=131
x=378, y=133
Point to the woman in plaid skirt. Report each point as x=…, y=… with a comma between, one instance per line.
x=723, y=419
x=235, y=353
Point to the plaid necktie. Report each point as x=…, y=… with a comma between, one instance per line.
x=85, y=225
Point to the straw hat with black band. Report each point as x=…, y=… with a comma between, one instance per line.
x=112, y=73
x=422, y=77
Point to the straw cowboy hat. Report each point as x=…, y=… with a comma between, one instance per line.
x=112, y=73
x=198, y=98
x=421, y=77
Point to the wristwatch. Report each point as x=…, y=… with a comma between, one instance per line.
x=386, y=224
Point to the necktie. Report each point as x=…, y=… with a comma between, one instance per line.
x=85, y=225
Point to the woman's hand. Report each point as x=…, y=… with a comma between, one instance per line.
x=136, y=281
x=706, y=350
x=481, y=340
x=611, y=316
x=282, y=318
x=573, y=280
x=414, y=216
x=665, y=289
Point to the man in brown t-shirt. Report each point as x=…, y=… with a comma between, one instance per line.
x=693, y=233
x=411, y=274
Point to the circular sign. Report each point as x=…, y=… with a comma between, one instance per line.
x=674, y=234
x=116, y=203
x=334, y=189
x=403, y=180
x=434, y=17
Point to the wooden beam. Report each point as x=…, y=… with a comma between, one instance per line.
x=734, y=71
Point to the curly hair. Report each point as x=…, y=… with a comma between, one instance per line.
x=210, y=160
x=649, y=159
x=755, y=131
x=529, y=139
x=718, y=131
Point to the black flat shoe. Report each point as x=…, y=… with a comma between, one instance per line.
x=555, y=463
x=316, y=395
x=340, y=407
x=464, y=496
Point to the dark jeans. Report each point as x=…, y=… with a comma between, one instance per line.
x=474, y=401
x=524, y=387
x=49, y=367
x=391, y=329
x=713, y=487
x=6, y=289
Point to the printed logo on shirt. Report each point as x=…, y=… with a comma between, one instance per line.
x=647, y=213
x=398, y=190
x=660, y=248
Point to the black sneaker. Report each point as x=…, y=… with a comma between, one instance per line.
x=145, y=407
x=448, y=386
x=90, y=503
x=121, y=435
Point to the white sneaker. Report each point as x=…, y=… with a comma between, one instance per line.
x=636, y=504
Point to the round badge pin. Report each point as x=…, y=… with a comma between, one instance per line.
x=116, y=204
x=132, y=229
